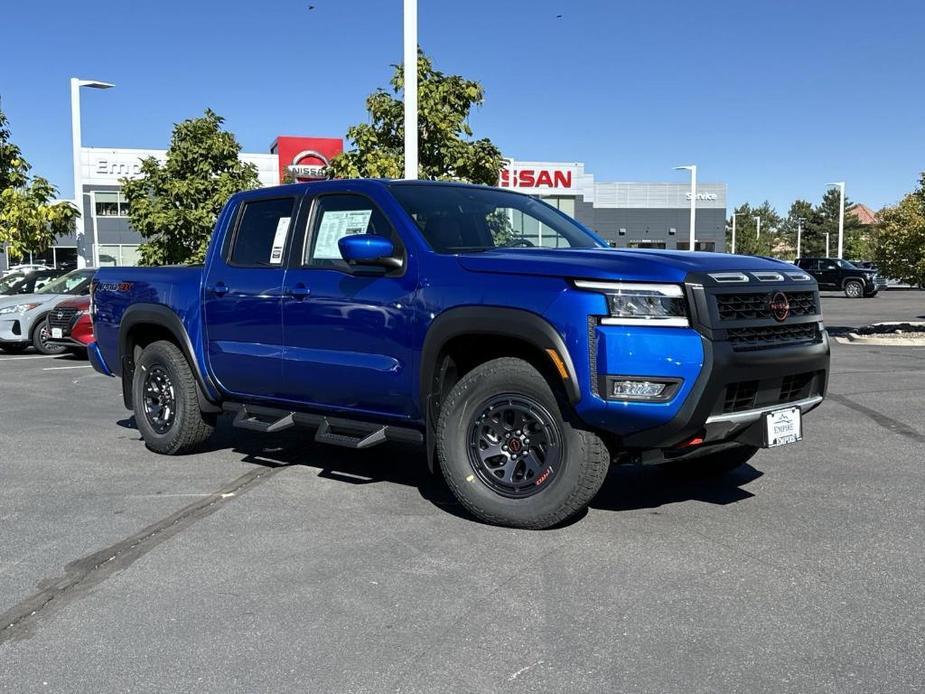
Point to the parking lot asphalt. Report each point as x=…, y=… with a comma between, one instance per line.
x=271, y=564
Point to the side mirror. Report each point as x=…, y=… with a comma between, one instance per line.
x=368, y=250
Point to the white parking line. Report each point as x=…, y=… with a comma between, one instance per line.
x=62, y=368
x=39, y=356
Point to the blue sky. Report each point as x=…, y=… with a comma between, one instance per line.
x=773, y=97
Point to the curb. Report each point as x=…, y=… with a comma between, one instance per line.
x=886, y=339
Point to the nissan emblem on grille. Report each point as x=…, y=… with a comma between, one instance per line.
x=780, y=306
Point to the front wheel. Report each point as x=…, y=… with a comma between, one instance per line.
x=164, y=396
x=508, y=454
x=40, y=337
x=854, y=289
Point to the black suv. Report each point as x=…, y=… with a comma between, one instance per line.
x=834, y=273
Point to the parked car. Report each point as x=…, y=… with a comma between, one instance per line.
x=69, y=324
x=22, y=317
x=27, y=281
x=507, y=338
x=25, y=267
x=835, y=273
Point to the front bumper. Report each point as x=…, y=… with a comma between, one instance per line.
x=710, y=411
x=11, y=330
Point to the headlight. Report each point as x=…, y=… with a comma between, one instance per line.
x=18, y=308
x=638, y=303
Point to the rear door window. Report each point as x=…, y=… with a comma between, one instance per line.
x=260, y=238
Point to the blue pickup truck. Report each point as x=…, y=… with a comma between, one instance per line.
x=522, y=353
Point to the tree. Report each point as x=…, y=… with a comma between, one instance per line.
x=747, y=240
x=174, y=205
x=901, y=249
x=30, y=220
x=799, y=210
x=447, y=150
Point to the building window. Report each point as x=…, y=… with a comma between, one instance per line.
x=644, y=243
x=111, y=204
x=698, y=246
x=120, y=254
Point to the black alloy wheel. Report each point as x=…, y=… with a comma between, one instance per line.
x=514, y=445
x=160, y=400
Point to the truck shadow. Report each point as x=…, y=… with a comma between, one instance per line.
x=626, y=488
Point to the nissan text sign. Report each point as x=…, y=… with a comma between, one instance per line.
x=538, y=177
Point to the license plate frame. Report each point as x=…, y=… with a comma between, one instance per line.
x=783, y=426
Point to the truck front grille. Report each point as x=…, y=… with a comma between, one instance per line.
x=749, y=395
x=772, y=336
x=757, y=305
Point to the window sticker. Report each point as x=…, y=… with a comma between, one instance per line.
x=335, y=225
x=279, y=241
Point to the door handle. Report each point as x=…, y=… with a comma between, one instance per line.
x=298, y=291
x=220, y=289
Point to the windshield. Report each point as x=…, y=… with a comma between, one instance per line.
x=463, y=219
x=72, y=283
x=10, y=283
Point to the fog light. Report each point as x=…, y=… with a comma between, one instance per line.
x=638, y=389
x=641, y=388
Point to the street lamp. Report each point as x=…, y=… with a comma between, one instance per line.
x=693, y=169
x=758, y=219
x=76, y=84
x=734, y=215
x=841, y=217
x=411, y=88
x=800, y=221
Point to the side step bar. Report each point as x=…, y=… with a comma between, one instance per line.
x=348, y=433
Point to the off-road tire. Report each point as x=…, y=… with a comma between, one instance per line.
x=39, y=337
x=189, y=427
x=854, y=289
x=584, y=457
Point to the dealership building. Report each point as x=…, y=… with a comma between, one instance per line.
x=626, y=214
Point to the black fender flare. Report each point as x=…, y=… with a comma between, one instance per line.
x=492, y=320
x=162, y=317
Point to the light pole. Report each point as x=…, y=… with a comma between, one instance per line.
x=693, y=169
x=734, y=215
x=758, y=234
x=76, y=84
x=841, y=217
x=411, y=88
x=800, y=221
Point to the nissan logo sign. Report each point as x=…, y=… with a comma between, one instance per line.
x=779, y=306
x=308, y=163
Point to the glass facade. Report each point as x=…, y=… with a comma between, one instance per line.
x=110, y=204
x=121, y=254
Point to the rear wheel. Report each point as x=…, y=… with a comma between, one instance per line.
x=14, y=347
x=166, y=407
x=854, y=289
x=509, y=455
x=40, y=336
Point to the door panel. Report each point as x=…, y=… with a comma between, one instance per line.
x=348, y=336
x=243, y=301
x=348, y=343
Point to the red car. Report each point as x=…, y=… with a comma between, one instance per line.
x=69, y=325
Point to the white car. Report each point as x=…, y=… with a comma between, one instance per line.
x=22, y=316
x=28, y=267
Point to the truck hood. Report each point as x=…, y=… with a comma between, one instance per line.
x=613, y=264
